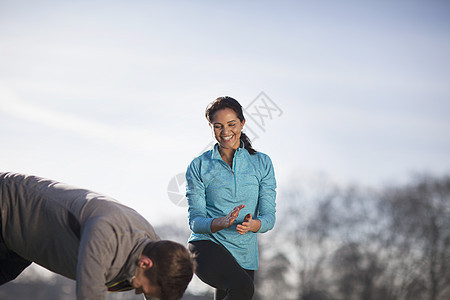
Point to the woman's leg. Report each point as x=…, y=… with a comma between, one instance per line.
x=218, y=268
x=221, y=294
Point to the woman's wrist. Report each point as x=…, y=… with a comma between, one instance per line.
x=255, y=225
x=215, y=225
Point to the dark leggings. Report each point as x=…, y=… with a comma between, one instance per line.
x=219, y=269
x=11, y=264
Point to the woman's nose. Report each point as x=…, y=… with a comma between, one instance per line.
x=225, y=130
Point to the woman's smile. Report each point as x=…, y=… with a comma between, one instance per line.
x=227, y=138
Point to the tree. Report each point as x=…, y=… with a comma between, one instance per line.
x=350, y=242
x=419, y=223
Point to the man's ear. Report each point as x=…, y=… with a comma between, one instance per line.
x=145, y=262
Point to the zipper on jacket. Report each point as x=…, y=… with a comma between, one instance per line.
x=234, y=175
x=234, y=172
x=232, y=169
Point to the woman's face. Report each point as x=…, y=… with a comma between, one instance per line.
x=227, y=128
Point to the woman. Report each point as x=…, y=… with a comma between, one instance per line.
x=231, y=196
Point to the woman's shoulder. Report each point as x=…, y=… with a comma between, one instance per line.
x=199, y=159
x=260, y=156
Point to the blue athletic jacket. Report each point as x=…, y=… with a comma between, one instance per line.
x=213, y=189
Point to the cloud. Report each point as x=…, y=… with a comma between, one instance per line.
x=130, y=138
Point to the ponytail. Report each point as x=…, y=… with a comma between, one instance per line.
x=247, y=143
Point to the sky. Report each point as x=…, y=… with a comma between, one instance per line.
x=110, y=95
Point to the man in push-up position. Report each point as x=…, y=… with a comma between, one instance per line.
x=88, y=237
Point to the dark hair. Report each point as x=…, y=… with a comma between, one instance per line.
x=228, y=102
x=172, y=269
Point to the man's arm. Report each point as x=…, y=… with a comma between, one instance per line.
x=95, y=255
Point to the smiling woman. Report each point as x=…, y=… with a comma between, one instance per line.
x=227, y=128
x=226, y=114
x=231, y=196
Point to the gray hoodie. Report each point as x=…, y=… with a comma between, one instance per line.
x=74, y=232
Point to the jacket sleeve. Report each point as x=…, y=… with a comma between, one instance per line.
x=267, y=195
x=196, y=196
x=95, y=256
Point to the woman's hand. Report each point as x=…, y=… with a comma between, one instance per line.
x=225, y=222
x=249, y=224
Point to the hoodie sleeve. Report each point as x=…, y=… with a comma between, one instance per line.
x=196, y=196
x=267, y=195
x=96, y=253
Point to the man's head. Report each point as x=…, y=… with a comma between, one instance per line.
x=164, y=270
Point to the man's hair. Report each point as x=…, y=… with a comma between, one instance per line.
x=172, y=270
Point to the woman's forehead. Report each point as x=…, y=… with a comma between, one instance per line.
x=224, y=115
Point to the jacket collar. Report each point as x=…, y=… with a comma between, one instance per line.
x=216, y=154
x=130, y=266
